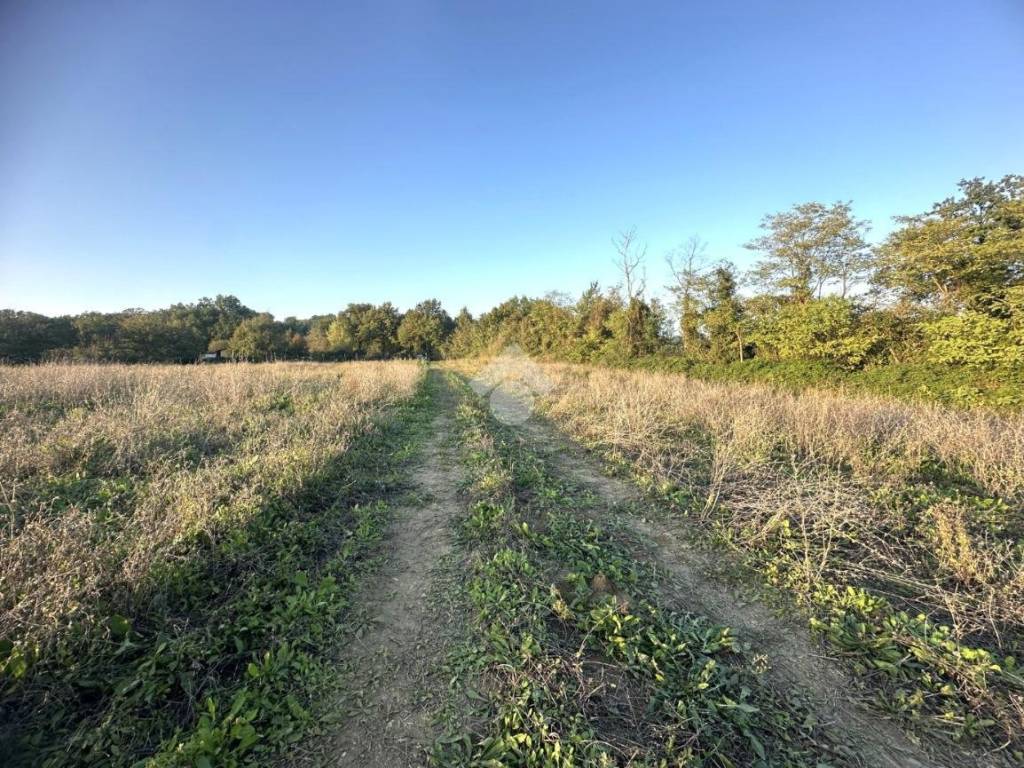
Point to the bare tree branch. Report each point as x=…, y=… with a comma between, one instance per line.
x=630, y=262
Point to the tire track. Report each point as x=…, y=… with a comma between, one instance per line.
x=797, y=666
x=391, y=661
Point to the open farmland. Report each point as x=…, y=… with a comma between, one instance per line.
x=502, y=563
x=512, y=385
x=177, y=545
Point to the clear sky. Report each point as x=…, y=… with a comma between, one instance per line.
x=303, y=155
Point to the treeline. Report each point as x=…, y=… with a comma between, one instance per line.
x=946, y=287
x=184, y=332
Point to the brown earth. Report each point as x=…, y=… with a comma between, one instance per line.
x=394, y=658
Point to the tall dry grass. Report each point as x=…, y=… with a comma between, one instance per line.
x=106, y=472
x=869, y=490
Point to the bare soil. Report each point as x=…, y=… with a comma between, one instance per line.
x=393, y=660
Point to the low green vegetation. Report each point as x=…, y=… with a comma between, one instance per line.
x=1000, y=387
x=134, y=633
x=573, y=659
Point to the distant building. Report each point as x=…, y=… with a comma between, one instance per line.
x=211, y=357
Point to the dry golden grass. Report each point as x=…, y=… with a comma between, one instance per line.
x=106, y=470
x=828, y=466
x=899, y=526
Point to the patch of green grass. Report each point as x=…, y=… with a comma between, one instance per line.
x=909, y=658
x=574, y=659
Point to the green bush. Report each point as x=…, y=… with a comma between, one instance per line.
x=822, y=329
x=960, y=386
x=974, y=339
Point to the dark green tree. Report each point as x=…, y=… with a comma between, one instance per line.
x=27, y=337
x=723, y=316
x=258, y=338
x=424, y=329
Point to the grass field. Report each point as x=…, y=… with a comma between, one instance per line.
x=176, y=548
x=501, y=563
x=897, y=528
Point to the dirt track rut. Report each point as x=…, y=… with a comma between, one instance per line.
x=393, y=658
x=797, y=666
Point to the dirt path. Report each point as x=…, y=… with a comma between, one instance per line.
x=392, y=659
x=798, y=665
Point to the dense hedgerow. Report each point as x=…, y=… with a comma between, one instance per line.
x=955, y=385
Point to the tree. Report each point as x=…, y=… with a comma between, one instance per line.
x=593, y=310
x=465, y=338
x=295, y=344
x=965, y=252
x=228, y=312
x=365, y=331
x=99, y=335
x=378, y=331
x=28, y=337
x=424, y=329
x=809, y=247
x=635, y=329
x=161, y=336
x=343, y=332
x=688, y=264
x=629, y=259
x=547, y=328
x=257, y=338
x=317, y=343
x=722, y=318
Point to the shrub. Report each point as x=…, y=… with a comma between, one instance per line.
x=974, y=339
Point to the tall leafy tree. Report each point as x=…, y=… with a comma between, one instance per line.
x=722, y=318
x=258, y=338
x=99, y=335
x=424, y=329
x=162, y=336
x=465, y=338
x=965, y=252
x=808, y=247
x=365, y=331
x=548, y=327
x=317, y=343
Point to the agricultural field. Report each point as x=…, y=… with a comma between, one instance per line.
x=178, y=547
x=500, y=562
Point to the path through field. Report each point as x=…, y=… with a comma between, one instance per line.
x=394, y=657
x=394, y=661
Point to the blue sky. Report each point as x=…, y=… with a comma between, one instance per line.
x=304, y=155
